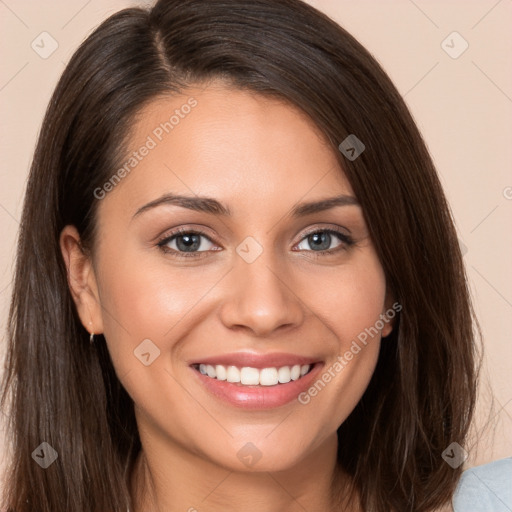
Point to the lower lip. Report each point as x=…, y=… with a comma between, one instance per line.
x=258, y=397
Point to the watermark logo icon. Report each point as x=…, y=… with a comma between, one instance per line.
x=44, y=45
x=249, y=454
x=455, y=455
x=45, y=455
x=351, y=147
x=463, y=248
x=249, y=250
x=146, y=352
x=454, y=45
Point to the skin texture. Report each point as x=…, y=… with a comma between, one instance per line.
x=260, y=157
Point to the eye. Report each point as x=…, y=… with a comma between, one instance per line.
x=186, y=242
x=321, y=240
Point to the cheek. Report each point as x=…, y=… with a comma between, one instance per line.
x=147, y=310
x=144, y=302
x=359, y=294
x=348, y=300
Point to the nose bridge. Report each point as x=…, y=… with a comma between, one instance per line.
x=261, y=295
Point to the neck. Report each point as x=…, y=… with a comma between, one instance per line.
x=185, y=482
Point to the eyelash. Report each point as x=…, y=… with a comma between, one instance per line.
x=162, y=242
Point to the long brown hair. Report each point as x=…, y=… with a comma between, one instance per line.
x=64, y=391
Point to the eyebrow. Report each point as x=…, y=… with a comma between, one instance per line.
x=214, y=207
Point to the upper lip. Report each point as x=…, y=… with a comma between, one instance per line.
x=253, y=360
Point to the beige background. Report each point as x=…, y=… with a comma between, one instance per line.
x=463, y=107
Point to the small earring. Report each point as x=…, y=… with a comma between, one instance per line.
x=91, y=338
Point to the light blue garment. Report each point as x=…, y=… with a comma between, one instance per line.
x=486, y=488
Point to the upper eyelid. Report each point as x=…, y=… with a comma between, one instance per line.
x=331, y=227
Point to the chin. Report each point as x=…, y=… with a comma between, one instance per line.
x=261, y=456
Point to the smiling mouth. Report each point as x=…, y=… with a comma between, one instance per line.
x=248, y=376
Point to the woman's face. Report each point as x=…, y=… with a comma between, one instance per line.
x=257, y=290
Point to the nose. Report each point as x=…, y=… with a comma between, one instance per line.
x=261, y=298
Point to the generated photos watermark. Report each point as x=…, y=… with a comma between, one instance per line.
x=152, y=141
x=342, y=360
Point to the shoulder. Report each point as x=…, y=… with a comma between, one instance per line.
x=486, y=488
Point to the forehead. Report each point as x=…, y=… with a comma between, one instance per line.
x=232, y=144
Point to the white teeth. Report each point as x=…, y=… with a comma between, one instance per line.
x=284, y=375
x=269, y=376
x=233, y=374
x=248, y=376
x=221, y=372
x=295, y=373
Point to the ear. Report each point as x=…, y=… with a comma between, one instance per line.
x=81, y=280
x=391, y=309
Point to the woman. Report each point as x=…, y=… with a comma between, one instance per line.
x=238, y=284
